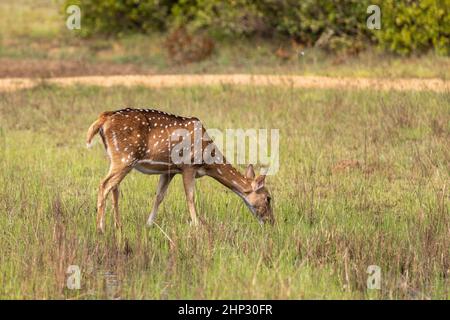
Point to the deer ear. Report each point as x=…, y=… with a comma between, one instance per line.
x=249, y=172
x=259, y=182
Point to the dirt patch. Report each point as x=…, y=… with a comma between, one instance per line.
x=158, y=81
x=34, y=68
x=19, y=74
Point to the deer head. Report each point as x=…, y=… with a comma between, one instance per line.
x=258, y=198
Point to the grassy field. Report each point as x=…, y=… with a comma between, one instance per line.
x=363, y=180
x=34, y=42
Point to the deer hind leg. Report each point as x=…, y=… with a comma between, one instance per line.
x=189, y=189
x=163, y=184
x=111, y=181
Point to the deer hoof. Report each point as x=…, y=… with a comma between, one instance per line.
x=194, y=223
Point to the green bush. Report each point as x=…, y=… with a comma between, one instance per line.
x=410, y=26
x=343, y=21
x=113, y=17
x=221, y=18
x=305, y=21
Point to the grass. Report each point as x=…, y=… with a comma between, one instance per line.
x=363, y=181
x=33, y=37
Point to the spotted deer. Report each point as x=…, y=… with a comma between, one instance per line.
x=142, y=139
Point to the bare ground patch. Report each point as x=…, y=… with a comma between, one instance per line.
x=46, y=68
x=158, y=81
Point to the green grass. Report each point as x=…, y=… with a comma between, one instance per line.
x=390, y=208
x=35, y=30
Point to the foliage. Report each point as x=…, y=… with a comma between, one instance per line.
x=340, y=23
x=415, y=26
x=229, y=18
x=112, y=17
x=408, y=26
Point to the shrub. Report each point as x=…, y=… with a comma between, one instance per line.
x=305, y=21
x=222, y=18
x=340, y=22
x=113, y=17
x=410, y=26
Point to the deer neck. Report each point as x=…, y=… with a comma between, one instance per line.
x=230, y=178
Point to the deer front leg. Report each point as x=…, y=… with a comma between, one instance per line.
x=163, y=184
x=189, y=188
x=115, y=202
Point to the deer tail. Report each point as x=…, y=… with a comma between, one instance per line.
x=95, y=127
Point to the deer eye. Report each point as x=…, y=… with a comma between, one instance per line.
x=268, y=199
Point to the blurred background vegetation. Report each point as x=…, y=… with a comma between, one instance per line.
x=408, y=25
x=306, y=37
